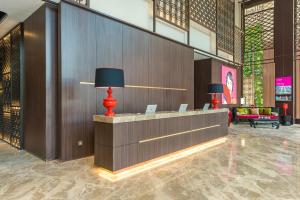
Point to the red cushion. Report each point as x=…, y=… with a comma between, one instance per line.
x=252, y=116
x=248, y=116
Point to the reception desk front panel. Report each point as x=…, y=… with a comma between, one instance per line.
x=128, y=140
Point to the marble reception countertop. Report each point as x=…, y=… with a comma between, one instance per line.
x=122, y=118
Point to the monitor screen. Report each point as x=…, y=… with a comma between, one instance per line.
x=283, y=85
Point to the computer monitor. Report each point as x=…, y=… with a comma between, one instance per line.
x=183, y=107
x=206, y=106
x=151, y=109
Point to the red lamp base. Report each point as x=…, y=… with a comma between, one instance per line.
x=285, y=106
x=215, y=102
x=109, y=103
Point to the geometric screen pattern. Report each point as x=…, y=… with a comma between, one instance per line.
x=297, y=26
x=238, y=45
x=225, y=26
x=175, y=12
x=10, y=119
x=261, y=23
x=203, y=12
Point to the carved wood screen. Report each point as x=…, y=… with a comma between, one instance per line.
x=225, y=26
x=259, y=22
x=175, y=12
x=10, y=105
x=238, y=45
x=203, y=12
x=297, y=29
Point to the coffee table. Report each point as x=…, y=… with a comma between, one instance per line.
x=264, y=120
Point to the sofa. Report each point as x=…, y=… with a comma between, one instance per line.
x=247, y=113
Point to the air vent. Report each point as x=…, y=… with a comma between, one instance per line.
x=3, y=15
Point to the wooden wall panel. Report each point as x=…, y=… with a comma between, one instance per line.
x=40, y=51
x=89, y=41
x=175, y=74
x=188, y=77
x=136, y=67
x=78, y=42
x=34, y=107
x=269, y=79
x=51, y=82
x=159, y=69
x=203, y=76
x=108, y=55
x=283, y=42
x=209, y=71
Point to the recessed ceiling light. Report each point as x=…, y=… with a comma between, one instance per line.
x=3, y=15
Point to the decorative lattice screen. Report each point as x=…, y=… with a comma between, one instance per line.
x=203, y=12
x=261, y=19
x=10, y=58
x=175, y=12
x=238, y=45
x=297, y=26
x=225, y=26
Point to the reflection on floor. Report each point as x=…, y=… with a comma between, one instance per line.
x=260, y=163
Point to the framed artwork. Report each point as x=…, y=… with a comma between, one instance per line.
x=229, y=81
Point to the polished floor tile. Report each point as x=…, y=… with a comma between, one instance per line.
x=260, y=163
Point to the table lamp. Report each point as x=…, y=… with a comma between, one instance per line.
x=109, y=77
x=214, y=89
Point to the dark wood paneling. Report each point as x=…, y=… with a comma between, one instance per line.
x=34, y=105
x=51, y=82
x=159, y=66
x=136, y=67
x=202, y=76
x=78, y=42
x=209, y=71
x=269, y=79
x=121, y=145
x=40, y=39
x=283, y=42
x=109, y=55
x=188, y=77
x=90, y=41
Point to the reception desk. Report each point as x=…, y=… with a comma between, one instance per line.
x=127, y=140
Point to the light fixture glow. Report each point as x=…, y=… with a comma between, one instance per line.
x=151, y=164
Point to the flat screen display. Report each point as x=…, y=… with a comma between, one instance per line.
x=283, y=85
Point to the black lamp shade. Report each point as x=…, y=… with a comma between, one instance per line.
x=109, y=77
x=215, y=88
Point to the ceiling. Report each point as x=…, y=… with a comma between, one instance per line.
x=17, y=11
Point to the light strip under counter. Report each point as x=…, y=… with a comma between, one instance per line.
x=154, y=163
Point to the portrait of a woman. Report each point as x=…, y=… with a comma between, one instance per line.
x=229, y=82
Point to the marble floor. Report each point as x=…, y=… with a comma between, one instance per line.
x=260, y=163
